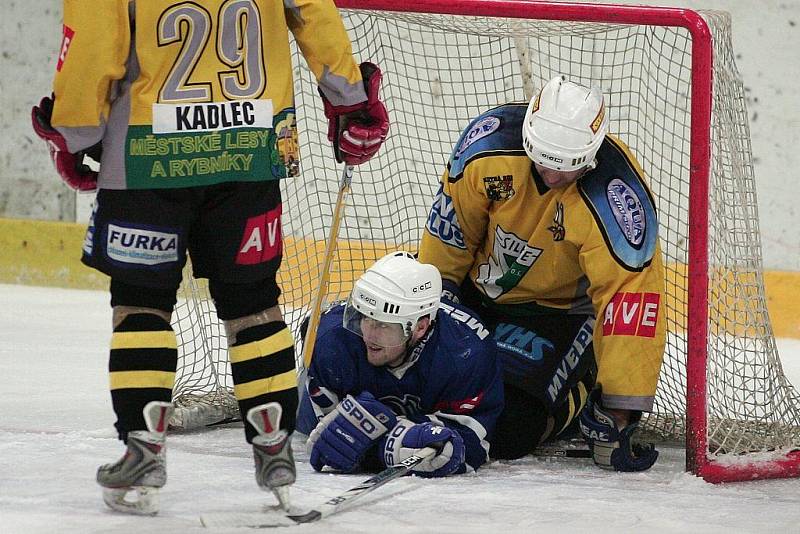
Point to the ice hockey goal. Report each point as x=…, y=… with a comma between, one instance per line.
x=674, y=95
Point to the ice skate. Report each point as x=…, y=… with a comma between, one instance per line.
x=272, y=449
x=131, y=484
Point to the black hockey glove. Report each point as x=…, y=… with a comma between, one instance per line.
x=612, y=447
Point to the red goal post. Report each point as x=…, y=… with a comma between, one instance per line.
x=722, y=388
x=700, y=155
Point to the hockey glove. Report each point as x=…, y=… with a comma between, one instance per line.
x=342, y=438
x=358, y=131
x=407, y=438
x=69, y=165
x=612, y=447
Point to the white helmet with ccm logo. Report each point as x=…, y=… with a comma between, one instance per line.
x=564, y=126
x=396, y=289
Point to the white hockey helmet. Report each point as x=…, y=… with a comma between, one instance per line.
x=397, y=289
x=564, y=126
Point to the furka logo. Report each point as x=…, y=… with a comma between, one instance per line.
x=136, y=245
x=631, y=314
x=261, y=240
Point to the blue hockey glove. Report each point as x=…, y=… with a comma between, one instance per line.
x=342, y=438
x=611, y=447
x=407, y=438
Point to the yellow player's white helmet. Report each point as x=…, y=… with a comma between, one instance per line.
x=565, y=125
x=397, y=290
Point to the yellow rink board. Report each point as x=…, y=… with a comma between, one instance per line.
x=48, y=253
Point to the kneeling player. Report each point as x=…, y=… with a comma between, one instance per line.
x=545, y=225
x=395, y=370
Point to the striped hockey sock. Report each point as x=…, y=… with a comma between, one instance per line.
x=142, y=362
x=263, y=369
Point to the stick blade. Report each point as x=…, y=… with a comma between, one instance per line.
x=266, y=519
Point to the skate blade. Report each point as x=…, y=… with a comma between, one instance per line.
x=144, y=503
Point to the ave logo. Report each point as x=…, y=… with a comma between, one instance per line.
x=632, y=314
x=261, y=240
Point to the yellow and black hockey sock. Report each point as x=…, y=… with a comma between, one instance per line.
x=144, y=355
x=263, y=370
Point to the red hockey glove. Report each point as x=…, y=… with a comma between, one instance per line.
x=358, y=131
x=68, y=165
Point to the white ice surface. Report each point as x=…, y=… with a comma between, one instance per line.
x=56, y=427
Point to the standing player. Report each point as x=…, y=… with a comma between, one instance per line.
x=544, y=224
x=185, y=103
x=396, y=370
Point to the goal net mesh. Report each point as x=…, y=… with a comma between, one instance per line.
x=441, y=71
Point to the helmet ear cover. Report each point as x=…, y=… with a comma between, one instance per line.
x=397, y=289
x=564, y=125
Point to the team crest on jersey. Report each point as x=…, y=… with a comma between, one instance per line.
x=125, y=244
x=558, y=223
x=511, y=259
x=627, y=210
x=287, y=144
x=407, y=406
x=479, y=130
x=499, y=187
x=443, y=222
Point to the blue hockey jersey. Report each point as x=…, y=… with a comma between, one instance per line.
x=452, y=377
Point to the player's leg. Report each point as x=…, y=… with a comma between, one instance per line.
x=243, y=229
x=143, y=254
x=261, y=351
x=548, y=364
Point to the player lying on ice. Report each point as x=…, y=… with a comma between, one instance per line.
x=545, y=226
x=394, y=370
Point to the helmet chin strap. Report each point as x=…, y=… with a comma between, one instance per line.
x=409, y=347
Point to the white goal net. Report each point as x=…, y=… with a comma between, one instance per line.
x=440, y=71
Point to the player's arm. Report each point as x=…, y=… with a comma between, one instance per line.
x=626, y=285
x=358, y=120
x=329, y=378
x=93, y=55
x=630, y=330
x=471, y=406
x=463, y=417
x=456, y=226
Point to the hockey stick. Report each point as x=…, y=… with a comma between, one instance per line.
x=330, y=249
x=560, y=452
x=328, y=508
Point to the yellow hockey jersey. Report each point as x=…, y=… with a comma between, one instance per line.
x=591, y=247
x=184, y=94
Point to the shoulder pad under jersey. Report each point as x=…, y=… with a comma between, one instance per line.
x=494, y=132
x=622, y=205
